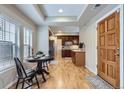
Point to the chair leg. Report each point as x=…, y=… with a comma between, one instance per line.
x=37, y=81
x=49, y=62
x=17, y=83
x=23, y=82
x=43, y=65
x=47, y=66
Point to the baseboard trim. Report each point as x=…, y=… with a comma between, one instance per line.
x=91, y=70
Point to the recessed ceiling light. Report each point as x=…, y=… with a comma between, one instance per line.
x=97, y=5
x=60, y=10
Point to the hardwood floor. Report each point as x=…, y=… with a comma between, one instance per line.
x=65, y=75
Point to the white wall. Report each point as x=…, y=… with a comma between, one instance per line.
x=8, y=76
x=88, y=35
x=43, y=39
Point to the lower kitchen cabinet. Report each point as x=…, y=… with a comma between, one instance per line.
x=78, y=58
x=66, y=53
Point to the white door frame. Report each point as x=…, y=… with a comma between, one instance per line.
x=121, y=46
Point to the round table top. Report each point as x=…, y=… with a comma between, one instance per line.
x=39, y=59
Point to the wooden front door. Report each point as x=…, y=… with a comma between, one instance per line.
x=108, y=49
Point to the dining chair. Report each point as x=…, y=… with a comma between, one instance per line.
x=25, y=76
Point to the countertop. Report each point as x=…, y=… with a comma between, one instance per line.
x=72, y=47
x=78, y=50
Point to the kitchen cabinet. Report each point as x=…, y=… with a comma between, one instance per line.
x=67, y=41
x=78, y=57
x=66, y=53
x=69, y=38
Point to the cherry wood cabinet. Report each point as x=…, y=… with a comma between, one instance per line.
x=78, y=58
x=66, y=53
x=70, y=38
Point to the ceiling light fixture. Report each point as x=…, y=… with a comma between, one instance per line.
x=97, y=5
x=60, y=10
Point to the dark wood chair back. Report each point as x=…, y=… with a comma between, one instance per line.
x=20, y=69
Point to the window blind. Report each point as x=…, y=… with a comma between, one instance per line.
x=8, y=42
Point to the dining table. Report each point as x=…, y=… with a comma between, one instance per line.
x=39, y=67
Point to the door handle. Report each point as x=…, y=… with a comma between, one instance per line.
x=117, y=52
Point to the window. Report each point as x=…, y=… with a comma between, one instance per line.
x=8, y=42
x=27, y=42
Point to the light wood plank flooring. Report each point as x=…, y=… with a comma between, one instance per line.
x=65, y=75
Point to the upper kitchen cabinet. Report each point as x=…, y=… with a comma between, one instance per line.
x=69, y=38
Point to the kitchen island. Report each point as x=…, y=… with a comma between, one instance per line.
x=78, y=57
